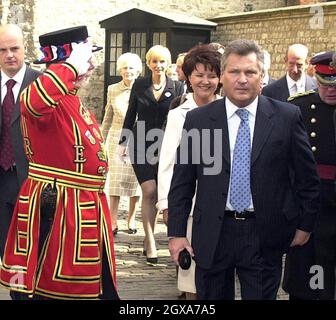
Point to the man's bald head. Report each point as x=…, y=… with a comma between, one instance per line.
x=12, y=29
x=296, y=60
x=11, y=49
x=298, y=49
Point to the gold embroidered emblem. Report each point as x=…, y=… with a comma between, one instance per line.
x=79, y=158
x=102, y=170
x=97, y=134
x=84, y=112
x=102, y=156
x=89, y=135
x=29, y=151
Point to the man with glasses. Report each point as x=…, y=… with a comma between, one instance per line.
x=319, y=112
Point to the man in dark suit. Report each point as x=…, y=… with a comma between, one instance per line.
x=13, y=162
x=334, y=119
x=264, y=194
x=317, y=108
x=296, y=80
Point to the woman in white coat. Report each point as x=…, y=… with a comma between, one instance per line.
x=201, y=67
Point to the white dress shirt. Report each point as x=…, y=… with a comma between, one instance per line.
x=266, y=79
x=233, y=125
x=295, y=87
x=18, y=79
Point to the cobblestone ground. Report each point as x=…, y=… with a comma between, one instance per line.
x=136, y=279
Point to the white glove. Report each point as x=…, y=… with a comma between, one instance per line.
x=80, y=56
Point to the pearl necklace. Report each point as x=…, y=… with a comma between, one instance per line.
x=159, y=88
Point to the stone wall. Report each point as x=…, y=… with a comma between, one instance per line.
x=20, y=12
x=90, y=12
x=275, y=30
x=40, y=16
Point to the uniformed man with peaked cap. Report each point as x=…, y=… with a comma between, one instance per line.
x=319, y=114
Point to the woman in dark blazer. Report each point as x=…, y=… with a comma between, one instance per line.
x=147, y=112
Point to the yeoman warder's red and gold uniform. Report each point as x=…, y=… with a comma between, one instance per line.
x=65, y=148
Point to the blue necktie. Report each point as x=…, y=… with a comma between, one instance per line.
x=240, y=192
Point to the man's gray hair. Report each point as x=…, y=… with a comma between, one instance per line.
x=243, y=47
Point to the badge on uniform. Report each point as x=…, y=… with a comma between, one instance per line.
x=102, y=156
x=85, y=114
x=168, y=94
x=91, y=138
x=97, y=134
x=102, y=170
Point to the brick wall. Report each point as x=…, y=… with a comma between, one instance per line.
x=91, y=12
x=275, y=30
x=20, y=12
x=40, y=16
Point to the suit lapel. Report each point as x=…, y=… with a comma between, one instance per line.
x=218, y=119
x=283, y=89
x=184, y=109
x=310, y=83
x=147, y=89
x=334, y=120
x=1, y=105
x=262, y=128
x=26, y=81
x=169, y=90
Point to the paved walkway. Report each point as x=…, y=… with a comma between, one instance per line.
x=137, y=279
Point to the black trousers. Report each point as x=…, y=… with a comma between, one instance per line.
x=319, y=251
x=9, y=190
x=239, y=251
x=325, y=251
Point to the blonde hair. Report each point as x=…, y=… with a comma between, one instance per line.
x=129, y=58
x=180, y=57
x=158, y=51
x=171, y=72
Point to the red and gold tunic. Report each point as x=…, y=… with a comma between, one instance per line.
x=64, y=144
